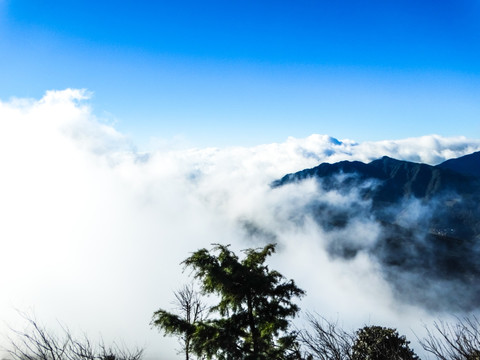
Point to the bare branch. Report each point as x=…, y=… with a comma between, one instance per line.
x=325, y=340
x=36, y=342
x=192, y=310
x=459, y=341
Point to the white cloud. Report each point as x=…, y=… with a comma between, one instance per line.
x=93, y=233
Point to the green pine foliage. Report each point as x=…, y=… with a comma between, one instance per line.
x=252, y=318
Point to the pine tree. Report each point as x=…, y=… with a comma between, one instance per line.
x=252, y=318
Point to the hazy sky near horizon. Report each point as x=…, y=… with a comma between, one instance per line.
x=217, y=73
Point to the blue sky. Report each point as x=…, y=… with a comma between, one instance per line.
x=211, y=74
x=219, y=73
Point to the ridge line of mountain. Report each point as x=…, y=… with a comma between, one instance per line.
x=464, y=169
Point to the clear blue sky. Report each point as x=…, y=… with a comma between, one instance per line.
x=250, y=72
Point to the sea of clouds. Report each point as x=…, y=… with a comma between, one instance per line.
x=93, y=231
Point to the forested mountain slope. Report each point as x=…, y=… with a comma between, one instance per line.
x=428, y=221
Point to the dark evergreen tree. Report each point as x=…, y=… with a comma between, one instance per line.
x=379, y=343
x=252, y=318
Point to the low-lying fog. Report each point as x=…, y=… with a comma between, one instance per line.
x=93, y=232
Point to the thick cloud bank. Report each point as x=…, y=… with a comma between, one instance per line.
x=93, y=232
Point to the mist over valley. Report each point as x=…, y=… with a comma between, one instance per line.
x=427, y=220
x=94, y=231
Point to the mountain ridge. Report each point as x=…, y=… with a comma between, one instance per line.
x=467, y=165
x=417, y=179
x=428, y=219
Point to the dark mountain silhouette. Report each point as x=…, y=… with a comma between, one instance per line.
x=396, y=178
x=428, y=243
x=466, y=165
